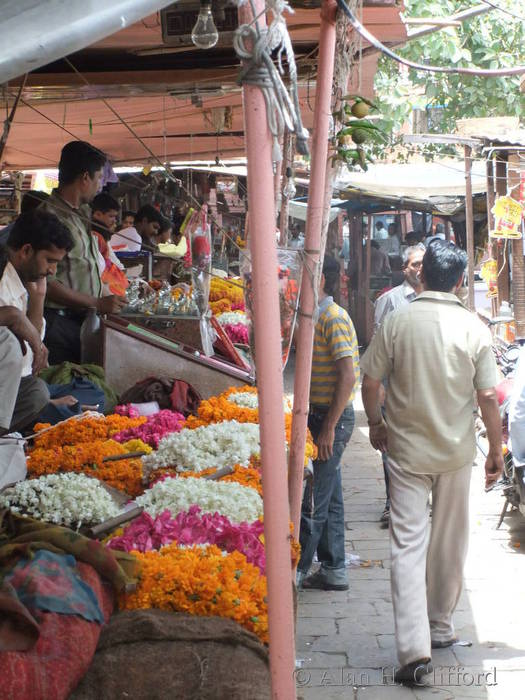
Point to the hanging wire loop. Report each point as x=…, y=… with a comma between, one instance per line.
x=254, y=46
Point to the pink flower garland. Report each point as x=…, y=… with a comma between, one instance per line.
x=237, y=333
x=193, y=527
x=154, y=429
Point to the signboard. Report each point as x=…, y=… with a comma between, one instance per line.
x=507, y=218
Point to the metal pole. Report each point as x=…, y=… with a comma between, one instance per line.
x=518, y=262
x=469, y=221
x=492, y=245
x=503, y=258
x=368, y=265
x=267, y=325
x=9, y=121
x=310, y=280
x=285, y=202
x=447, y=229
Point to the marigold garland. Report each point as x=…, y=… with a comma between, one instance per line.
x=87, y=458
x=233, y=292
x=74, y=432
x=202, y=581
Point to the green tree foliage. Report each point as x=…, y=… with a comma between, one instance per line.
x=492, y=40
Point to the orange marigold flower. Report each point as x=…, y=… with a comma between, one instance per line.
x=202, y=581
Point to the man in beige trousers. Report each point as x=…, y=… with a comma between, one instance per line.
x=436, y=356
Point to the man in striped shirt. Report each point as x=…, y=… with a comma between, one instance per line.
x=335, y=374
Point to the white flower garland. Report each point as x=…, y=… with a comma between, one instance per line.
x=247, y=399
x=232, y=318
x=64, y=499
x=216, y=445
x=236, y=502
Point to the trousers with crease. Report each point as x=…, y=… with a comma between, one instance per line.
x=428, y=556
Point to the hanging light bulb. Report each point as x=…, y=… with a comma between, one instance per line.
x=204, y=34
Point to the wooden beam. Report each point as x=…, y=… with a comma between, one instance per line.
x=503, y=257
x=469, y=222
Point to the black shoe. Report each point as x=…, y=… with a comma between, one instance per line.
x=318, y=582
x=385, y=515
x=412, y=674
x=444, y=645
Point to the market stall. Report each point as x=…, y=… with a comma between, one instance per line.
x=188, y=514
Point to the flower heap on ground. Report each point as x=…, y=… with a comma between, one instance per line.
x=237, y=503
x=215, y=445
x=64, y=499
x=242, y=405
x=88, y=458
x=246, y=476
x=78, y=430
x=202, y=581
x=153, y=429
x=190, y=528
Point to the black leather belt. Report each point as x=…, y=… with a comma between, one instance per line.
x=78, y=316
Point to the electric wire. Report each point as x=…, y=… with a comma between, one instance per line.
x=503, y=9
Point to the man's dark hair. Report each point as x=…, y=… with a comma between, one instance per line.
x=77, y=158
x=443, y=265
x=165, y=224
x=411, y=238
x=331, y=272
x=104, y=202
x=41, y=230
x=31, y=200
x=149, y=213
x=375, y=244
x=128, y=213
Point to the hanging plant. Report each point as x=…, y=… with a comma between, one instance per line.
x=356, y=132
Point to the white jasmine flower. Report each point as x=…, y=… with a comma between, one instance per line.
x=65, y=499
x=236, y=502
x=216, y=445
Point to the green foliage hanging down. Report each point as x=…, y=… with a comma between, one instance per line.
x=492, y=40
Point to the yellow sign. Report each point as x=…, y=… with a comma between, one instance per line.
x=489, y=273
x=507, y=215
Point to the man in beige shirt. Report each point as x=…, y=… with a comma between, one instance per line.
x=436, y=356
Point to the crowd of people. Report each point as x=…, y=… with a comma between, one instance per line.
x=57, y=263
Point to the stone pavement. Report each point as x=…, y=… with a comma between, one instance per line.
x=345, y=640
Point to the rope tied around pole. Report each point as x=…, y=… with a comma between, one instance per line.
x=254, y=47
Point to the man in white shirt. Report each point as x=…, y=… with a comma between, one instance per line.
x=36, y=244
x=395, y=298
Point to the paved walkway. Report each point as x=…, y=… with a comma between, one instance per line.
x=345, y=644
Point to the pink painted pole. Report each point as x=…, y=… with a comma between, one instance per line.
x=261, y=204
x=314, y=219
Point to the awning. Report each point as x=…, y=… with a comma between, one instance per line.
x=297, y=210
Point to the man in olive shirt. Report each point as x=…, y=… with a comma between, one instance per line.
x=77, y=286
x=436, y=356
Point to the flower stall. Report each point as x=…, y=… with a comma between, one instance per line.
x=182, y=496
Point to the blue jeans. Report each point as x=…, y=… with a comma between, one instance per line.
x=322, y=522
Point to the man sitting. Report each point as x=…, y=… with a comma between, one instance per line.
x=36, y=245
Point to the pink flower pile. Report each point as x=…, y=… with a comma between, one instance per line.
x=154, y=429
x=237, y=333
x=193, y=527
x=241, y=306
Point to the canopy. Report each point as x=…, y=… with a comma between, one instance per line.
x=183, y=102
x=436, y=186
